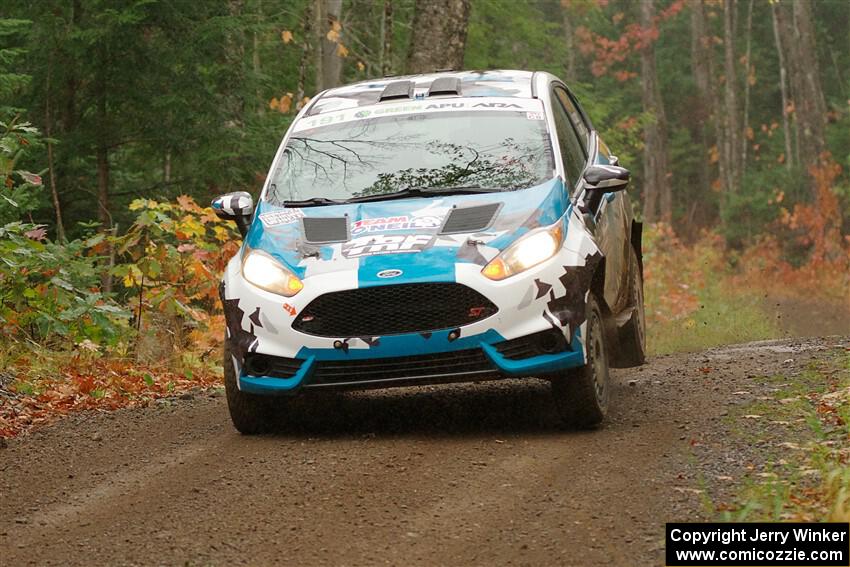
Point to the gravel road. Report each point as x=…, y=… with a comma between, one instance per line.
x=453, y=475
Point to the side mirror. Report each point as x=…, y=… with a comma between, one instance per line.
x=606, y=178
x=238, y=207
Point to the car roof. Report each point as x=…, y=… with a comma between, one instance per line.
x=496, y=83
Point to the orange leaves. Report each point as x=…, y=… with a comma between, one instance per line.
x=673, y=273
x=607, y=53
x=282, y=104
x=334, y=35
x=813, y=230
x=90, y=384
x=335, y=32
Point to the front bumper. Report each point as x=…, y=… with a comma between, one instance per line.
x=268, y=375
x=547, y=298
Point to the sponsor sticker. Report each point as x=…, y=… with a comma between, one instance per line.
x=277, y=218
x=388, y=224
x=532, y=106
x=386, y=244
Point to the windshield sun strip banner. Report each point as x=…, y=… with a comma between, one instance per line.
x=532, y=107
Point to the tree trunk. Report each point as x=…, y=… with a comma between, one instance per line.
x=387, y=36
x=783, y=87
x=319, y=35
x=48, y=127
x=439, y=35
x=102, y=152
x=745, y=142
x=331, y=62
x=807, y=94
x=702, y=63
x=255, y=57
x=569, y=40
x=306, y=44
x=732, y=135
x=657, y=191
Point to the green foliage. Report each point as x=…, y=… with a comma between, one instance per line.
x=172, y=257
x=745, y=215
x=20, y=192
x=49, y=292
x=11, y=81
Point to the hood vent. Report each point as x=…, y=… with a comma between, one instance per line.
x=445, y=86
x=470, y=219
x=325, y=230
x=397, y=90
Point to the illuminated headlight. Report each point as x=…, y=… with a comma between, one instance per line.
x=527, y=252
x=267, y=273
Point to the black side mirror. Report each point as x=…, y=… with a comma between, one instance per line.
x=238, y=207
x=606, y=178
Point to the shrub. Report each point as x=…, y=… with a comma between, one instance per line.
x=49, y=292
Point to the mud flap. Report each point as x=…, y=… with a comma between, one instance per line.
x=637, y=242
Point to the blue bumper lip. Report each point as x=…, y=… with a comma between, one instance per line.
x=542, y=364
x=274, y=385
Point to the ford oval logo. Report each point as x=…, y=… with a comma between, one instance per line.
x=389, y=273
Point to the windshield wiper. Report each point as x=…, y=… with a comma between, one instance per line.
x=403, y=194
x=425, y=192
x=314, y=202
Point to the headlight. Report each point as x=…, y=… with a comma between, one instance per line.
x=527, y=252
x=267, y=273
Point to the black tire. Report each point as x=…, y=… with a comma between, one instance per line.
x=249, y=413
x=581, y=394
x=632, y=335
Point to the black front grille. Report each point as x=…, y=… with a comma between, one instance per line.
x=433, y=367
x=471, y=364
x=393, y=309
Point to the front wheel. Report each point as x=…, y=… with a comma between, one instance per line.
x=581, y=394
x=249, y=413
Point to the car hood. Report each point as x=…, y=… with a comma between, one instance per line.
x=402, y=238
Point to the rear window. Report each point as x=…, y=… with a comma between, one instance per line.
x=375, y=155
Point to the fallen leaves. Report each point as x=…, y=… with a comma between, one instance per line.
x=101, y=384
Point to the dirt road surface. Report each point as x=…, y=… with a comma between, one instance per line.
x=452, y=475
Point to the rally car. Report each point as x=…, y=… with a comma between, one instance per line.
x=446, y=227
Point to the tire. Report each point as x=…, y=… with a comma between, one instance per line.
x=632, y=335
x=249, y=413
x=581, y=394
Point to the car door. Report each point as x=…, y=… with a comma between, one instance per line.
x=582, y=144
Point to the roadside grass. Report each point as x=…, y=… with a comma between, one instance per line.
x=724, y=316
x=694, y=299
x=806, y=422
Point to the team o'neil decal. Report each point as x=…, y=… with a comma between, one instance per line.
x=277, y=218
x=386, y=244
x=388, y=224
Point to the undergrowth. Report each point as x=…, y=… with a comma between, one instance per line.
x=692, y=299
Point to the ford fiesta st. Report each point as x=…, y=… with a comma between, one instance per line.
x=450, y=227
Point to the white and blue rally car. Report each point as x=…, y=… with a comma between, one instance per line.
x=448, y=227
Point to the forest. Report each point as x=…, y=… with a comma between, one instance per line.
x=121, y=120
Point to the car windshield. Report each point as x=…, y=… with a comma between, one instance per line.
x=494, y=150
